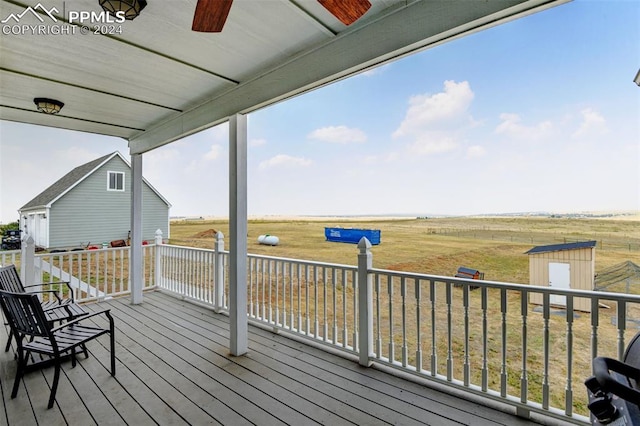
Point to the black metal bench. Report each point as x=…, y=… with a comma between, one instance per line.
x=34, y=334
x=56, y=309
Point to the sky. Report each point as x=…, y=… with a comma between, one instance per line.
x=537, y=115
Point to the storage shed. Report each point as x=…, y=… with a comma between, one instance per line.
x=563, y=266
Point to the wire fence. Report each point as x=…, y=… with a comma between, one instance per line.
x=608, y=241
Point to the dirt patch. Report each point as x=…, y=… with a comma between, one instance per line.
x=209, y=233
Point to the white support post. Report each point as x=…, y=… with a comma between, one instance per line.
x=136, y=273
x=218, y=278
x=238, y=321
x=27, y=264
x=157, y=276
x=365, y=303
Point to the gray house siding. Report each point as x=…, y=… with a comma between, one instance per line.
x=89, y=213
x=155, y=215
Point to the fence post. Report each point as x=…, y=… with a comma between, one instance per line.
x=27, y=264
x=365, y=302
x=218, y=277
x=157, y=270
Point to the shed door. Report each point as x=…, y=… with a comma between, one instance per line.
x=41, y=232
x=560, y=278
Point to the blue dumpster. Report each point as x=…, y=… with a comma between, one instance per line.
x=352, y=235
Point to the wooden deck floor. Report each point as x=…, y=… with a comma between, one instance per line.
x=174, y=368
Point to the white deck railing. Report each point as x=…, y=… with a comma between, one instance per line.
x=482, y=337
x=92, y=274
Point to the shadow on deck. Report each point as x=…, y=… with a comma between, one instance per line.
x=174, y=367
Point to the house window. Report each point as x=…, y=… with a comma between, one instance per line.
x=115, y=181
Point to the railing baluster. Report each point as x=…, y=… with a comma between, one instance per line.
x=434, y=342
x=545, y=349
x=122, y=277
x=270, y=281
x=325, y=322
x=392, y=355
x=345, y=328
x=316, y=322
x=621, y=325
x=485, y=335
x=251, y=276
x=299, y=325
x=403, y=295
x=279, y=277
x=377, y=315
x=448, y=287
x=465, y=304
x=354, y=310
x=503, y=319
x=264, y=284
x=418, y=296
x=335, y=306
x=307, y=324
x=524, y=377
x=569, y=387
x=595, y=319
x=291, y=312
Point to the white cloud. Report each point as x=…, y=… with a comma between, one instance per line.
x=214, y=153
x=432, y=143
x=438, y=110
x=476, y=151
x=283, y=160
x=378, y=159
x=511, y=126
x=592, y=124
x=338, y=134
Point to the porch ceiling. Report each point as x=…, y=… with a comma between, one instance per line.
x=158, y=81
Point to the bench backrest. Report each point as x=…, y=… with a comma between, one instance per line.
x=10, y=279
x=25, y=314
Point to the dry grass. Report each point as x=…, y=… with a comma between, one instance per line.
x=495, y=246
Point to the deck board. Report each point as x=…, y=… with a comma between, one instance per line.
x=173, y=367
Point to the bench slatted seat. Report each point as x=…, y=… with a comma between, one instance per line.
x=35, y=334
x=56, y=308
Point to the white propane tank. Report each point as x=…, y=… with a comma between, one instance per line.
x=269, y=240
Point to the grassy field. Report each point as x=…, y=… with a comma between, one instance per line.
x=493, y=245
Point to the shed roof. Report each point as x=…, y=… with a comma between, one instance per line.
x=73, y=178
x=560, y=247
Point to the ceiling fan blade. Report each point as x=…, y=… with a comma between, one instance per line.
x=347, y=11
x=210, y=15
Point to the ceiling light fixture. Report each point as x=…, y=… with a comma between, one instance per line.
x=130, y=8
x=48, y=106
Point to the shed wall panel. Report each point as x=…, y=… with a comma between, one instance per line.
x=582, y=264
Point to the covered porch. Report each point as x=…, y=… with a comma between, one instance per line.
x=174, y=367
x=172, y=355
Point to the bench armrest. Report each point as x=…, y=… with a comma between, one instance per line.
x=67, y=283
x=53, y=292
x=84, y=317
